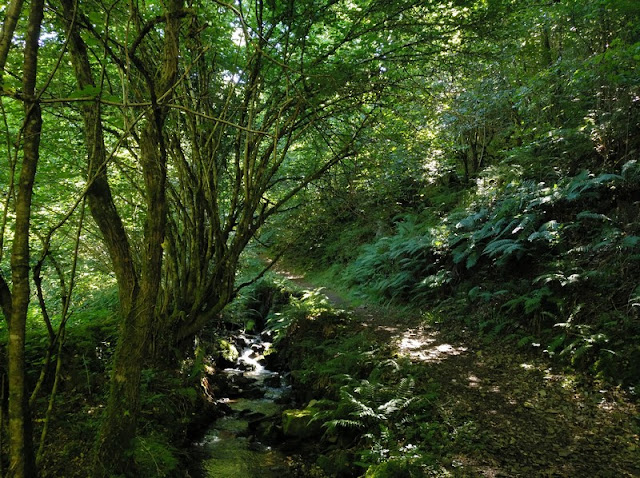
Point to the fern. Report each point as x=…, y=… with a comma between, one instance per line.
x=548, y=232
x=524, y=225
x=477, y=293
x=369, y=406
x=461, y=252
x=490, y=229
x=472, y=260
x=584, y=182
x=630, y=242
x=533, y=302
x=631, y=171
x=503, y=249
x=592, y=216
x=529, y=303
x=609, y=239
x=560, y=277
x=436, y=280
x=555, y=343
x=470, y=221
x=332, y=425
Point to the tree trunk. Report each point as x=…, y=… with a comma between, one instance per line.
x=119, y=428
x=132, y=351
x=115, y=437
x=8, y=27
x=113, y=453
x=21, y=455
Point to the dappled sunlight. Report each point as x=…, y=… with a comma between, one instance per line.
x=292, y=276
x=508, y=413
x=389, y=329
x=474, y=382
x=532, y=421
x=422, y=345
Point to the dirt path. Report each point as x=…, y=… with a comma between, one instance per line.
x=299, y=280
x=516, y=416
x=521, y=417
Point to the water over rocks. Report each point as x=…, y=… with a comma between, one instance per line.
x=249, y=399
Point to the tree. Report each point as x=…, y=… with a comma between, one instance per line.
x=16, y=302
x=138, y=286
x=286, y=95
x=218, y=115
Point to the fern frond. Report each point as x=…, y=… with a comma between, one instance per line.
x=343, y=423
x=470, y=221
x=405, y=388
x=503, y=247
x=592, y=215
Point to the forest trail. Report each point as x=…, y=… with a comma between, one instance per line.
x=521, y=417
x=517, y=415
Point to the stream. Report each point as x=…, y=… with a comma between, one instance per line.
x=237, y=445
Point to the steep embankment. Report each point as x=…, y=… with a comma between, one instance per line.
x=553, y=263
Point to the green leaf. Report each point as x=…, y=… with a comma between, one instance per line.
x=472, y=260
x=503, y=247
x=86, y=92
x=593, y=216
x=111, y=98
x=629, y=242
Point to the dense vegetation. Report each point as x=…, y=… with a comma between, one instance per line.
x=476, y=161
x=514, y=208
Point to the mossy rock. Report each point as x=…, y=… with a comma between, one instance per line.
x=226, y=353
x=299, y=424
x=394, y=469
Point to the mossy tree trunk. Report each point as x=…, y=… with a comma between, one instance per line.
x=21, y=454
x=138, y=284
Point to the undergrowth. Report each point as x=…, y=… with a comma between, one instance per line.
x=551, y=264
x=376, y=411
x=169, y=397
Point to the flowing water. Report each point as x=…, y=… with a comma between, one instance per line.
x=231, y=448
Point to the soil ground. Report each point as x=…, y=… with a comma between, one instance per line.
x=520, y=415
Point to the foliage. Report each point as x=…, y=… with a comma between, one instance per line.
x=380, y=409
x=533, y=243
x=155, y=457
x=390, y=266
x=371, y=406
x=481, y=152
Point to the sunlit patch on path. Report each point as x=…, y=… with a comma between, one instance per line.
x=292, y=276
x=422, y=345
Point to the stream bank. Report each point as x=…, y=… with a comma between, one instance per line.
x=250, y=398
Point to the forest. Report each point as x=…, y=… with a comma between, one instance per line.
x=319, y=238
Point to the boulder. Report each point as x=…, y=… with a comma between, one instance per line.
x=274, y=381
x=299, y=424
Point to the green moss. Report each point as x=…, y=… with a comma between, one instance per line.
x=155, y=457
x=394, y=469
x=228, y=351
x=300, y=424
x=232, y=459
